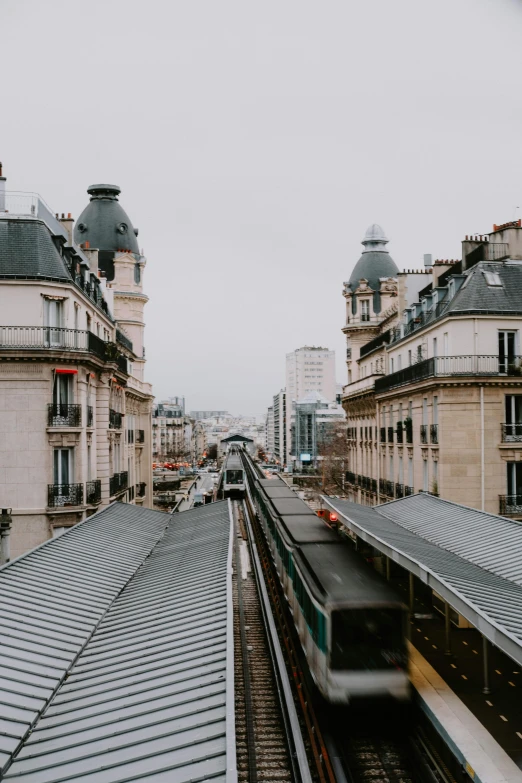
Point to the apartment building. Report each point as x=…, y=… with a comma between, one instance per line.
x=75, y=412
x=269, y=430
x=434, y=401
x=280, y=427
x=313, y=424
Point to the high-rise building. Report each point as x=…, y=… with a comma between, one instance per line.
x=280, y=428
x=270, y=431
x=75, y=421
x=313, y=423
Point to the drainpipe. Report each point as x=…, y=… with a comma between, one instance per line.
x=5, y=530
x=482, y=469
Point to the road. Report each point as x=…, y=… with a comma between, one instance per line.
x=203, y=482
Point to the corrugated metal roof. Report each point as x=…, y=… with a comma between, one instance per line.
x=490, y=541
x=488, y=599
x=149, y=696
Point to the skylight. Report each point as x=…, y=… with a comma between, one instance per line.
x=493, y=278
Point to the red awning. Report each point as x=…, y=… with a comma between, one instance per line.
x=66, y=372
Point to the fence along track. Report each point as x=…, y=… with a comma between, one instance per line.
x=261, y=730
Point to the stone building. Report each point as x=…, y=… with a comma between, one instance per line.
x=75, y=412
x=434, y=399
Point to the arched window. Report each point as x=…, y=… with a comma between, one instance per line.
x=137, y=274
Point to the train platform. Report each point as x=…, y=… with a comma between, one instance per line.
x=470, y=742
x=116, y=651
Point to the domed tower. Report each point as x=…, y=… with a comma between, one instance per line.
x=105, y=226
x=370, y=295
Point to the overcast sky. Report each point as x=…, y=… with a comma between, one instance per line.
x=254, y=142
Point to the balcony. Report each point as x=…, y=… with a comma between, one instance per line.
x=46, y=338
x=390, y=434
x=377, y=342
x=383, y=435
x=115, y=420
x=140, y=489
x=123, y=364
x=400, y=430
x=408, y=491
x=93, y=492
x=59, y=415
x=124, y=480
x=362, y=386
x=60, y=495
x=511, y=433
x=399, y=490
x=408, y=426
x=424, y=433
x=434, y=434
x=139, y=436
x=350, y=477
x=510, y=505
x=373, y=486
x=90, y=416
x=450, y=367
x=124, y=340
x=118, y=483
x=388, y=488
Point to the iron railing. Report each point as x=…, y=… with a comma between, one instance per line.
x=90, y=416
x=383, y=435
x=377, y=342
x=382, y=487
x=400, y=430
x=124, y=480
x=408, y=426
x=123, y=364
x=59, y=495
x=408, y=491
x=424, y=433
x=510, y=505
x=93, y=492
x=511, y=433
x=399, y=490
x=114, y=484
x=59, y=415
x=140, y=489
x=390, y=434
x=389, y=486
x=434, y=433
x=124, y=340
x=115, y=420
x=350, y=477
x=451, y=366
x=373, y=486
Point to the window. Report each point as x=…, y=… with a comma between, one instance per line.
x=401, y=471
x=399, y=362
x=391, y=467
x=445, y=338
x=365, y=310
x=409, y=358
x=89, y=462
x=435, y=477
x=425, y=477
x=514, y=480
x=53, y=318
x=493, y=279
x=435, y=347
x=425, y=410
x=62, y=390
x=63, y=466
x=410, y=471
x=435, y=410
x=76, y=316
x=137, y=274
x=392, y=367
x=506, y=350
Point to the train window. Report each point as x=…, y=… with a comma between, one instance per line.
x=368, y=639
x=234, y=477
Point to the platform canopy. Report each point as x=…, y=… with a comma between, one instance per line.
x=472, y=559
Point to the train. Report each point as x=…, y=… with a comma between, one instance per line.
x=351, y=624
x=233, y=475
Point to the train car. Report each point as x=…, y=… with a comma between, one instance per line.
x=351, y=624
x=233, y=476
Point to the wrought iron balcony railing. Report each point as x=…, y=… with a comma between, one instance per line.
x=59, y=415
x=115, y=420
x=511, y=433
x=373, y=486
x=382, y=487
x=510, y=505
x=350, y=477
x=451, y=366
x=140, y=489
x=389, y=487
x=390, y=434
x=124, y=340
x=399, y=490
x=123, y=364
x=93, y=492
x=399, y=432
x=434, y=433
x=90, y=416
x=383, y=435
x=408, y=491
x=409, y=431
x=139, y=436
x=424, y=433
x=124, y=480
x=59, y=495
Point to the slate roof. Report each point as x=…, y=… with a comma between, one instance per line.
x=139, y=616
x=27, y=250
x=373, y=265
x=440, y=541
x=476, y=295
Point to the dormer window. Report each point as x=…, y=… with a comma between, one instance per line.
x=493, y=279
x=365, y=310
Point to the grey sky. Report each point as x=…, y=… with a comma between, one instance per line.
x=254, y=142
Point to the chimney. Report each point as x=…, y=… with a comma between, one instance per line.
x=67, y=223
x=2, y=191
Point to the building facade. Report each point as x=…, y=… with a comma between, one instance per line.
x=280, y=428
x=75, y=412
x=313, y=424
x=270, y=432
x=435, y=398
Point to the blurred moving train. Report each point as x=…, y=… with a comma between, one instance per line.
x=351, y=624
x=233, y=475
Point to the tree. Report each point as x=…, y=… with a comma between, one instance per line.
x=212, y=452
x=333, y=449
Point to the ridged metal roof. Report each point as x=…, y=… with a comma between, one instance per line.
x=489, y=600
x=489, y=541
x=150, y=694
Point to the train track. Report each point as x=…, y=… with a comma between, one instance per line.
x=345, y=745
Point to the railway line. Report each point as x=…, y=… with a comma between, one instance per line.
x=285, y=730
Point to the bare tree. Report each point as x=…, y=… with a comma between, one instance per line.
x=333, y=448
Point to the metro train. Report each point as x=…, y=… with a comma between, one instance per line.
x=351, y=624
x=233, y=475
